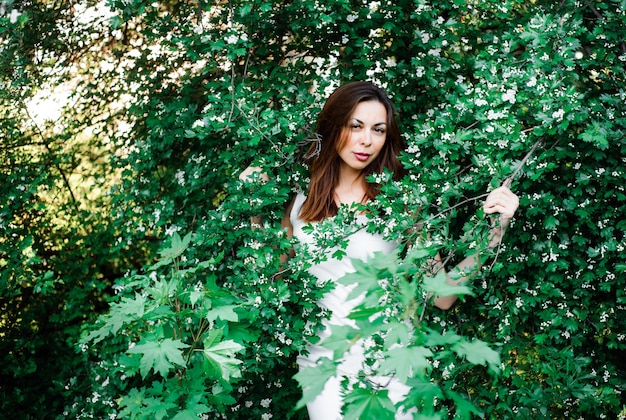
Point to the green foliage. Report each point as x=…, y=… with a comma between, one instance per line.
x=169, y=101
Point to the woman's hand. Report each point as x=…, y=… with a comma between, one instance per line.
x=502, y=200
x=250, y=171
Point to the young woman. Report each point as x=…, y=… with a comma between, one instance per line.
x=358, y=136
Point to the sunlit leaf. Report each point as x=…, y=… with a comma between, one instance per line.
x=312, y=379
x=160, y=356
x=363, y=403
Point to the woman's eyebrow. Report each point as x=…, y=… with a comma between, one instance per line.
x=361, y=122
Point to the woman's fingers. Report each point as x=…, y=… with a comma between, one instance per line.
x=250, y=171
x=502, y=200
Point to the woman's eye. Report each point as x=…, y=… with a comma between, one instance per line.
x=355, y=126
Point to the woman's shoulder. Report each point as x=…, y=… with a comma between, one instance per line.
x=297, y=203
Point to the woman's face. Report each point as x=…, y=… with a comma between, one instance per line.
x=366, y=134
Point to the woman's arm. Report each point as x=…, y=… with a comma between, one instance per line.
x=501, y=200
x=251, y=171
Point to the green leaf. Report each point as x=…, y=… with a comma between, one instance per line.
x=225, y=313
x=478, y=353
x=434, y=338
x=439, y=286
x=424, y=392
x=192, y=413
x=406, y=361
x=397, y=333
x=364, y=403
x=464, y=408
x=596, y=134
x=242, y=333
x=341, y=338
x=177, y=247
x=221, y=357
x=160, y=356
x=312, y=379
x=132, y=402
x=365, y=279
x=120, y=314
x=408, y=291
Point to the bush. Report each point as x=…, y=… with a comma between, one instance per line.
x=484, y=92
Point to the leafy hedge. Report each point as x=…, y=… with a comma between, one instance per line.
x=211, y=325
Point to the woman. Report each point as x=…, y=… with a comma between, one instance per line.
x=358, y=136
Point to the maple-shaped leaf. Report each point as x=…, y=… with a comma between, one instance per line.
x=192, y=413
x=160, y=356
x=425, y=395
x=464, y=408
x=408, y=291
x=312, y=379
x=397, y=333
x=156, y=408
x=478, y=353
x=438, y=285
x=176, y=249
x=129, y=309
x=367, y=273
x=434, y=338
x=364, y=279
x=243, y=334
x=132, y=402
x=363, y=403
x=224, y=312
x=341, y=338
x=221, y=356
x=406, y=361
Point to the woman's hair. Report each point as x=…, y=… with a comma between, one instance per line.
x=332, y=126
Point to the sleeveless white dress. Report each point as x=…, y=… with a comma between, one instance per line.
x=361, y=245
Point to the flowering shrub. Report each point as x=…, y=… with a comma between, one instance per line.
x=195, y=92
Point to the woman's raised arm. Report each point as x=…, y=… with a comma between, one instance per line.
x=501, y=200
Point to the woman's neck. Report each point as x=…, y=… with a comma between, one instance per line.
x=351, y=187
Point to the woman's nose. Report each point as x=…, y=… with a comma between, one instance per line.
x=366, y=138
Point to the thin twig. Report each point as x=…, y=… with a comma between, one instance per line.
x=425, y=302
x=66, y=180
x=523, y=162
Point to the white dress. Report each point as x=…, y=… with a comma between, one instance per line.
x=361, y=245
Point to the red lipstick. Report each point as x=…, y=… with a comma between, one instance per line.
x=362, y=156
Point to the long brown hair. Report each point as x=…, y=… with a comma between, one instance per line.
x=331, y=126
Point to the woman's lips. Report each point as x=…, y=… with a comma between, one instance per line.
x=362, y=156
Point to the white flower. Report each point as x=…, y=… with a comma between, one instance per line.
x=232, y=39
x=509, y=95
x=558, y=115
x=480, y=102
x=265, y=403
x=180, y=178
x=171, y=229
x=352, y=18
x=14, y=15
